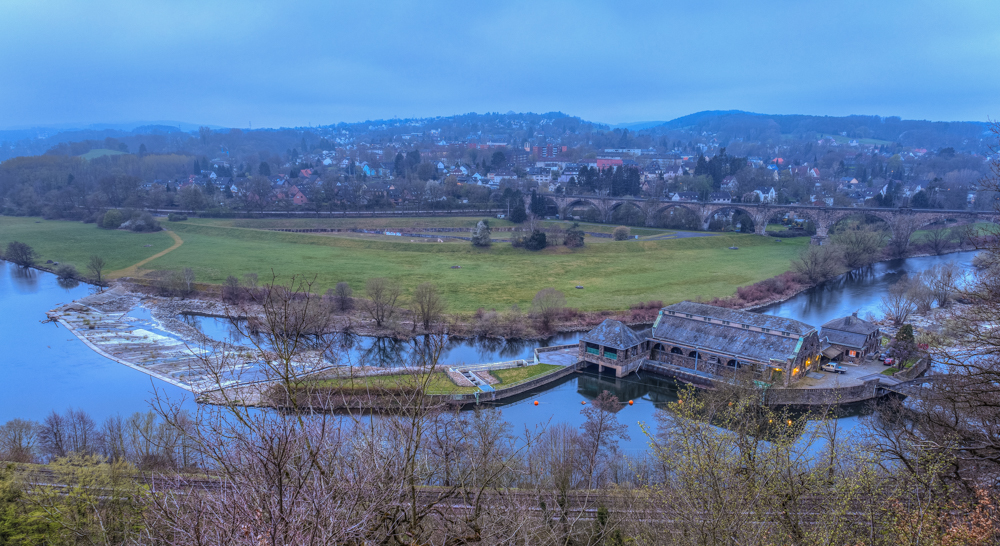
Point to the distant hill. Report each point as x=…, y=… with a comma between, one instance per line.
x=638, y=125
x=749, y=126
x=100, y=152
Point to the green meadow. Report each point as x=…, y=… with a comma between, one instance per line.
x=614, y=275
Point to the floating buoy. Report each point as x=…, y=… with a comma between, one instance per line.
x=536, y=402
x=630, y=402
x=582, y=402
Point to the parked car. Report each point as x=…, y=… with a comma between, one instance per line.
x=833, y=367
x=889, y=361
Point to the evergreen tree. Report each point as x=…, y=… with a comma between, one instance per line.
x=517, y=213
x=264, y=169
x=538, y=207
x=702, y=166
x=399, y=165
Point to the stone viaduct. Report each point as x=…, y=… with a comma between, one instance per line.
x=822, y=217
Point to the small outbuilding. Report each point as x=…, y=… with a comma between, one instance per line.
x=851, y=339
x=614, y=345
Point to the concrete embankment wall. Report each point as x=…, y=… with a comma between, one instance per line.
x=775, y=396
x=502, y=394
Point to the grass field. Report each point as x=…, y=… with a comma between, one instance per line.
x=74, y=243
x=514, y=376
x=437, y=383
x=614, y=275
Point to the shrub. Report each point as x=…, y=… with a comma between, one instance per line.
x=142, y=223
x=481, y=234
x=113, y=219
x=574, y=236
x=536, y=241
x=621, y=233
x=20, y=254
x=66, y=271
x=176, y=217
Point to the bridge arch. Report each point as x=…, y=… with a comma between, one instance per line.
x=677, y=216
x=754, y=216
x=628, y=213
x=566, y=213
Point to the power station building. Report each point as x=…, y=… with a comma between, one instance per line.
x=710, y=341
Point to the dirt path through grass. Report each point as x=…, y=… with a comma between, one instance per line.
x=134, y=268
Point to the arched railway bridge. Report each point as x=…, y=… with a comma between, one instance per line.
x=822, y=217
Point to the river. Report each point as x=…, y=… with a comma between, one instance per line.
x=45, y=367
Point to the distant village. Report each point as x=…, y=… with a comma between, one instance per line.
x=483, y=161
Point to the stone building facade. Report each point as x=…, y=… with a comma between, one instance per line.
x=850, y=339
x=710, y=341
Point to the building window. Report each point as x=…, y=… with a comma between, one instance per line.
x=765, y=330
x=593, y=349
x=726, y=322
x=708, y=319
x=688, y=315
x=746, y=326
x=610, y=353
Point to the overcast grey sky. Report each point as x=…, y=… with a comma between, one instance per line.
x=297, y=62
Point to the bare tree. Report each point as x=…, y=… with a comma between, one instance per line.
x=921, y=294
x=599, y=436
x=342, y=297
x=902, y=227
x=898, y=304
x=418, y=474
x=860, y=247
x=19, y=441
x=381, y=302
x=943, y=281
x=188, y=278
x=547, y=304
x=819, y=263
x=427, y=304
x=231, y=289
x=939, y=238
x=96, y=267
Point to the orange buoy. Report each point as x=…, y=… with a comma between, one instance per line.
x=536, y=402
x=583, y=402
x=630, y=402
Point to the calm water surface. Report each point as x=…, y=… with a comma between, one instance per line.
x=44, y=367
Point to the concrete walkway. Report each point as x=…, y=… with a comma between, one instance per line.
x=562, y=357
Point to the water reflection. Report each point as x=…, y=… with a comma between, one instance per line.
x=68, y=284
x=383, y=352
x=860, y=290
x=25, y=279
x=47, y=368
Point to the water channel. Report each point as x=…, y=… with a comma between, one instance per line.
x=45, y=367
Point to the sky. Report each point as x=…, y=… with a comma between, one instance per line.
x=298, y=63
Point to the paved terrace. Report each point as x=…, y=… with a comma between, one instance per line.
x=856, y=375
